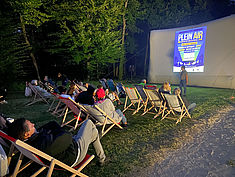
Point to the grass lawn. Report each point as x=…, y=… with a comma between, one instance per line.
x=127, y=149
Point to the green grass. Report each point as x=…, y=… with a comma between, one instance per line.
x=127, y=149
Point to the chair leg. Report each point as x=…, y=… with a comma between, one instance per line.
x=51, y=168
x=18, y=165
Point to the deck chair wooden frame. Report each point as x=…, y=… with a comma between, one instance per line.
x=142, y=96
x=104, y=131
x=156, y=103
x=173, y=105
x=38, y=156
x=134, y=99
x=55, y=107
x=37, y=96
x=76, y=108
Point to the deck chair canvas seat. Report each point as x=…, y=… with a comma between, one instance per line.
x=37, y=96
x=156, y=102
x=104, y=113
x=39, y=157
x=173, y=105
x=134, y=100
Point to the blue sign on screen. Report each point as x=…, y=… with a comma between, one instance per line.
x=189, y=49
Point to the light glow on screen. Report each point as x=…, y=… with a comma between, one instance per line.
x=189, y=49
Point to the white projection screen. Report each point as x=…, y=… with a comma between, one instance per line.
x=217, y=52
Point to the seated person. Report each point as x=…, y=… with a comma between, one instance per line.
x=165, y=88
x=49, y=84
x=42, y=91
x=61, y=80
x=86, y=97
x=53, y=140
x=112, y=96
x=107, y=106
x=73, y=90
x=189, y=106
x=143, y=82
x=82, y=87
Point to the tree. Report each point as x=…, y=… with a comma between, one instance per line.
x=29, y=14
x=89, y=31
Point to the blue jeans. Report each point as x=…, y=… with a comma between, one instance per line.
x=183, y=84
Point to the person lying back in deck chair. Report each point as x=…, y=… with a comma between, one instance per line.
x=189, y=106
x=39, y=89
x=53, y=140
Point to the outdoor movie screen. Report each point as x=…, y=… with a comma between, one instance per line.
x=189, y=49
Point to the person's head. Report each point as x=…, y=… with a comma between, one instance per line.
x=99, y=86
x=177, y=91
x=80, y=83
x=21, y=129
x=143, y=81
x=34, y=82
x=86, y=85
x=59, y=75
x=100, y=93
x=90, y=90
x=166, y=86
x=183, y=68
x=45, y=78
x=61, y=89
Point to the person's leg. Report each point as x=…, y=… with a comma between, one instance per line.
x=87, y=134
x=184, y=85
x=124, y=121
x=191, y=107
x=181, y=85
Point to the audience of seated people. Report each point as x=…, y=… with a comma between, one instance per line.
x=189, y=106
x=42, y=91
x=55, y=141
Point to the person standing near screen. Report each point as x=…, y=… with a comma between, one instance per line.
x=183, y=80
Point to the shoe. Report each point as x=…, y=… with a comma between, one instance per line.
x=124, y=125
x=103, y=162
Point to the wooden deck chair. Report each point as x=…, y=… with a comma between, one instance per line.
x=155, y=101
x=134, y=99
x=39, y=157
x=142, y=95
x=173, y=106
x=37, y=96
x=120, y=90
x=107, y=117
x=57, y=107
x=75, y=108
x=104, y=114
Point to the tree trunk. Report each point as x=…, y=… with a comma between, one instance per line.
x=28, y=43
x=121, y=64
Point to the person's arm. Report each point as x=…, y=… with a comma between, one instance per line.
x=187, y=78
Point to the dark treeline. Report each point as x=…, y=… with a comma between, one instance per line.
x=89, y=39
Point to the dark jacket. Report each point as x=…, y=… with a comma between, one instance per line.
x=86, y=97
x=54, y=141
